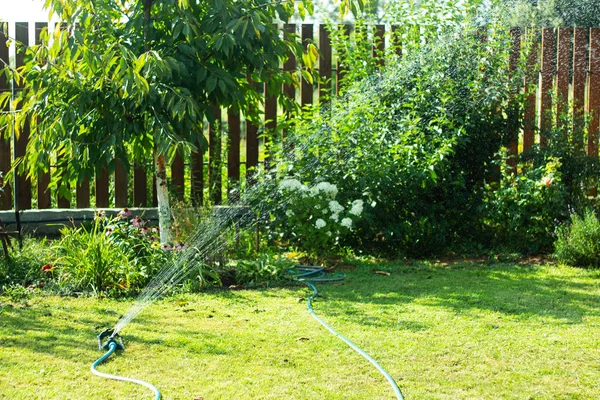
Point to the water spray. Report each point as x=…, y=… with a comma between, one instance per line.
x=110, y=341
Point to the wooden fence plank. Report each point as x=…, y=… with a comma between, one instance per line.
x=531, y=81
x=5, y=151
x=197, y=175
x=379, y=45
x=121, y=185
x=341, y=68
x=24, y=194
x=513, y=147
x=563, y=67
x=307, y=88
x=214, y=155
x=548, y=64
x=233, y=150
x=251, y=151
x=290, y=63
x=270, y=124
x=140, y=186
x=178, y=176
x=579, y=78
x=594, y=93
x=102, y=198
x=44, y=196
x=396, y=40
x=82, y=193
x=325, y=63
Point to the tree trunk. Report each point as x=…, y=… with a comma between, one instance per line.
x=162, y=194
x=160, y=164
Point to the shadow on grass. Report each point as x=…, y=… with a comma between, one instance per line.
x=511, y=289
x=514, y=290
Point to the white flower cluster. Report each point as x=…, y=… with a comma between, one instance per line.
x=357, y=207
x=346, y=222
x=292, y=185
x=328, y=189
x=320, y=223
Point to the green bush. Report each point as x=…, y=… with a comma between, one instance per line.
x=578, y=242
x=416, y=141
x=24, y=266
x=523, y=209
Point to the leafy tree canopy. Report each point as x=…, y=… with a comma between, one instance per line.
x=121, y=77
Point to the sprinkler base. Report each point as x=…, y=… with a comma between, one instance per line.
x=108, y=336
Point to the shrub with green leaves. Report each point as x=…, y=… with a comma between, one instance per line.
x=417, y=140
x=578, y=242
x=25, y=266
x=522, y=210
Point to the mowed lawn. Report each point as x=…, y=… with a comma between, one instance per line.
x=461, y=330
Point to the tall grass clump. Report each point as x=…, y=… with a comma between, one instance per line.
x=578, y=242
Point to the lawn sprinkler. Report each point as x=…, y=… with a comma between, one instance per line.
x=108, y=336
x=109, y=341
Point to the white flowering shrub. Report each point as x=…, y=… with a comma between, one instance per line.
x=311, y=218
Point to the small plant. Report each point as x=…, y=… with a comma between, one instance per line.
x=16, y=293
x=115, y=256
x=264, y=270
x=578, y=242
x=23, y=266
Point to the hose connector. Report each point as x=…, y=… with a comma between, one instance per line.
x=108, y=336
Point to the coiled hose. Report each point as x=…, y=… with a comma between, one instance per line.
x=112, y=346
x=307, y=275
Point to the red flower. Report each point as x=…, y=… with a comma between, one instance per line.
x=47, y=267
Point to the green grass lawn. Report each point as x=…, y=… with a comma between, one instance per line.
x=459, y=331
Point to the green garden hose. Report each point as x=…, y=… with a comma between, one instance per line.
x=112, y=346
x=307, y=275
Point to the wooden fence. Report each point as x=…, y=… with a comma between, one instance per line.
x=565, y=60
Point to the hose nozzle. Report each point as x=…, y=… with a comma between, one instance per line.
x=108, y=336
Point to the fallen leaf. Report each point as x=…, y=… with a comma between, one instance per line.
x=381, y=272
